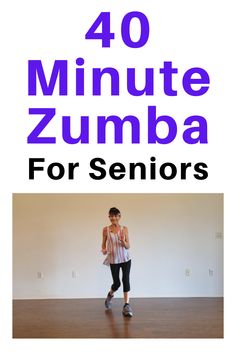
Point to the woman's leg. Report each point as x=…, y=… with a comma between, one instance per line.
x=115, y=269
x=126, y=267
x=126, y=297
x=127, y=311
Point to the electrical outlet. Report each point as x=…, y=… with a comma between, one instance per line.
x=39, y=275
x=74, y=274
x=218, y=235
x=187, y=272
x=211, y=272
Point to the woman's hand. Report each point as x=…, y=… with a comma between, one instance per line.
x=122, y=237
x=104, y=251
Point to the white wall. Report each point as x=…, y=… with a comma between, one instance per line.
x=56, y=234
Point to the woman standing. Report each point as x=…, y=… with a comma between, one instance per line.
x=115, y=245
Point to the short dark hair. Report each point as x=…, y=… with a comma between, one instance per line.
x=114, y=211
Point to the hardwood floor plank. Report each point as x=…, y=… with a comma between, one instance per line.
x=87, y=318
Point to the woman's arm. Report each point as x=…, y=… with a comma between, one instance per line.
x=104, y=240
x=125, y=240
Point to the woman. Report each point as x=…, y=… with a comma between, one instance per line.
x=115, y=245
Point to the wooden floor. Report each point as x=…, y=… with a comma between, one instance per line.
x=87, y=318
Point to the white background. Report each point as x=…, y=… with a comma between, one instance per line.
x=185, y=32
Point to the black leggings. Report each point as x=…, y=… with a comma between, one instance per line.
x=115, y=269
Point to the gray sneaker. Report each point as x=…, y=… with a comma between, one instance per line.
x=127, y=311
x=107, y=302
